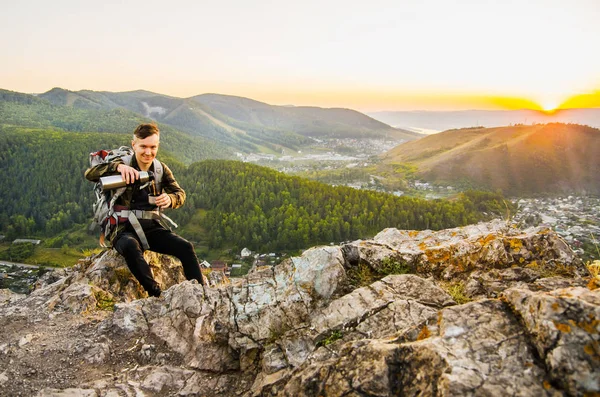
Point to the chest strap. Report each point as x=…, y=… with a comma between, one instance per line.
x=133, y=217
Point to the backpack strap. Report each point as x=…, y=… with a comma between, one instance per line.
x=158, y=175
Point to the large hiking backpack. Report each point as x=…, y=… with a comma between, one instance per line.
x=105, y=216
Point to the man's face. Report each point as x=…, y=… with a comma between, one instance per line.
x=145, y=150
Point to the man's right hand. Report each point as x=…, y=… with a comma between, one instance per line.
x=128, y=173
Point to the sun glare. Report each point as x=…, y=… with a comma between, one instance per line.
x=549, y=106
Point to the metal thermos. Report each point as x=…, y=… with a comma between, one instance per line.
x=117, y=181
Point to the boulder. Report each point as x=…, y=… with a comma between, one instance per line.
x=564, y=326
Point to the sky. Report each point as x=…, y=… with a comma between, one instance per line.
x=366, y=55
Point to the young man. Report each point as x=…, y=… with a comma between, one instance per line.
x=143, y=201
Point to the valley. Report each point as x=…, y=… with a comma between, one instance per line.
x=300, y=176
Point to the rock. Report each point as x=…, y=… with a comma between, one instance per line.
x=128, y=318
x=488, y=284
x=332, y=321
x=165, y=379
x=478, y=348
x=385, y=307
x=557, y=282
x=79, y=297
x=451, y=253
x=565, y=329
x=97, y=354
x=7, y=297
x=3, y=378
x=110, y=272
x=71, y=392
x=25, y=340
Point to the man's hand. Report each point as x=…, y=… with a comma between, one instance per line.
x=163, y=201
x=128, y=173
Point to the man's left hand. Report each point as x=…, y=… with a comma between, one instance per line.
x=163, y=201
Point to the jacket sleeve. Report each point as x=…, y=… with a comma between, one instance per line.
x=93, y=174
x=172, y=188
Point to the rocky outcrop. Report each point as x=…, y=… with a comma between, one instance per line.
x=335, y=321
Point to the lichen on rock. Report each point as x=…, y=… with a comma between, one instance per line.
x=307, y=328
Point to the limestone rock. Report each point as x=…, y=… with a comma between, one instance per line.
x=306, y=327
x=489, y=284
x=565, y=328
x=455, y=252
x=71, y=392
x=7, y=297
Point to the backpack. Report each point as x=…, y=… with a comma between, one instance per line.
x=103, y=207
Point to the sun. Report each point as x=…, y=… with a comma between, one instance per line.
x=549, y=106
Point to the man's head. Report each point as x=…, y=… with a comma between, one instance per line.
x=145, y=142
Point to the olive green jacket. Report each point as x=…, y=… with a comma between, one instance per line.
x=168, y=184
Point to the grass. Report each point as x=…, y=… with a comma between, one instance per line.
x=91, y=251
x=56, y=257
x=364, y=274
x=104, y=301
x=332, y=337
x=456, y=290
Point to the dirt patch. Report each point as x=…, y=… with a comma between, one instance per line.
x=67, y=350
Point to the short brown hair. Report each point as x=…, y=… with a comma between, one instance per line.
x=143, y=131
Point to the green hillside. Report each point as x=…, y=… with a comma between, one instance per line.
x=44, y=193
x=24, y=110
x=185, y=115
x=42, y=188
x=242, y=124
x=304, y=120
x=260, y=208
x=519, y=160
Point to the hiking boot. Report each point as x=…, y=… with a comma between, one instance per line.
x=154, y=291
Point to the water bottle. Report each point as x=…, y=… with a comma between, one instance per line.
x=117, y=181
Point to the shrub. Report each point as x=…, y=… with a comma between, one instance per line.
x=18, y=252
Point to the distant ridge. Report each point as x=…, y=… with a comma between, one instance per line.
x=91, y=112
x=545, y=158
x=304, y=120
x=243, y=124
x=445, y=120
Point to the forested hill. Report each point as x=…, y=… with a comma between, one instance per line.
x=43, y=193
x=520, y=160
x=263, y=209
x=28, y=111
x=242, y=123
x=42, y=187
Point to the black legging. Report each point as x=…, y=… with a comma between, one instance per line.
x=162, y=241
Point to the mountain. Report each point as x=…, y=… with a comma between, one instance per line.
x=304, y=120
x=46, y=112
x=548, y=158
x=241, y=123
x=441, y=121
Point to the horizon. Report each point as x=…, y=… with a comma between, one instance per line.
x=541, y=111
x=414, y=56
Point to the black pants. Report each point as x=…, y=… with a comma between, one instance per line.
x=162, y=241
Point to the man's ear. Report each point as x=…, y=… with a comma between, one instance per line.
x=133, y=143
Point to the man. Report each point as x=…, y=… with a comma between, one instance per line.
x=143, y=201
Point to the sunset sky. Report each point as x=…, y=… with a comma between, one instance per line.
x=365, y=55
